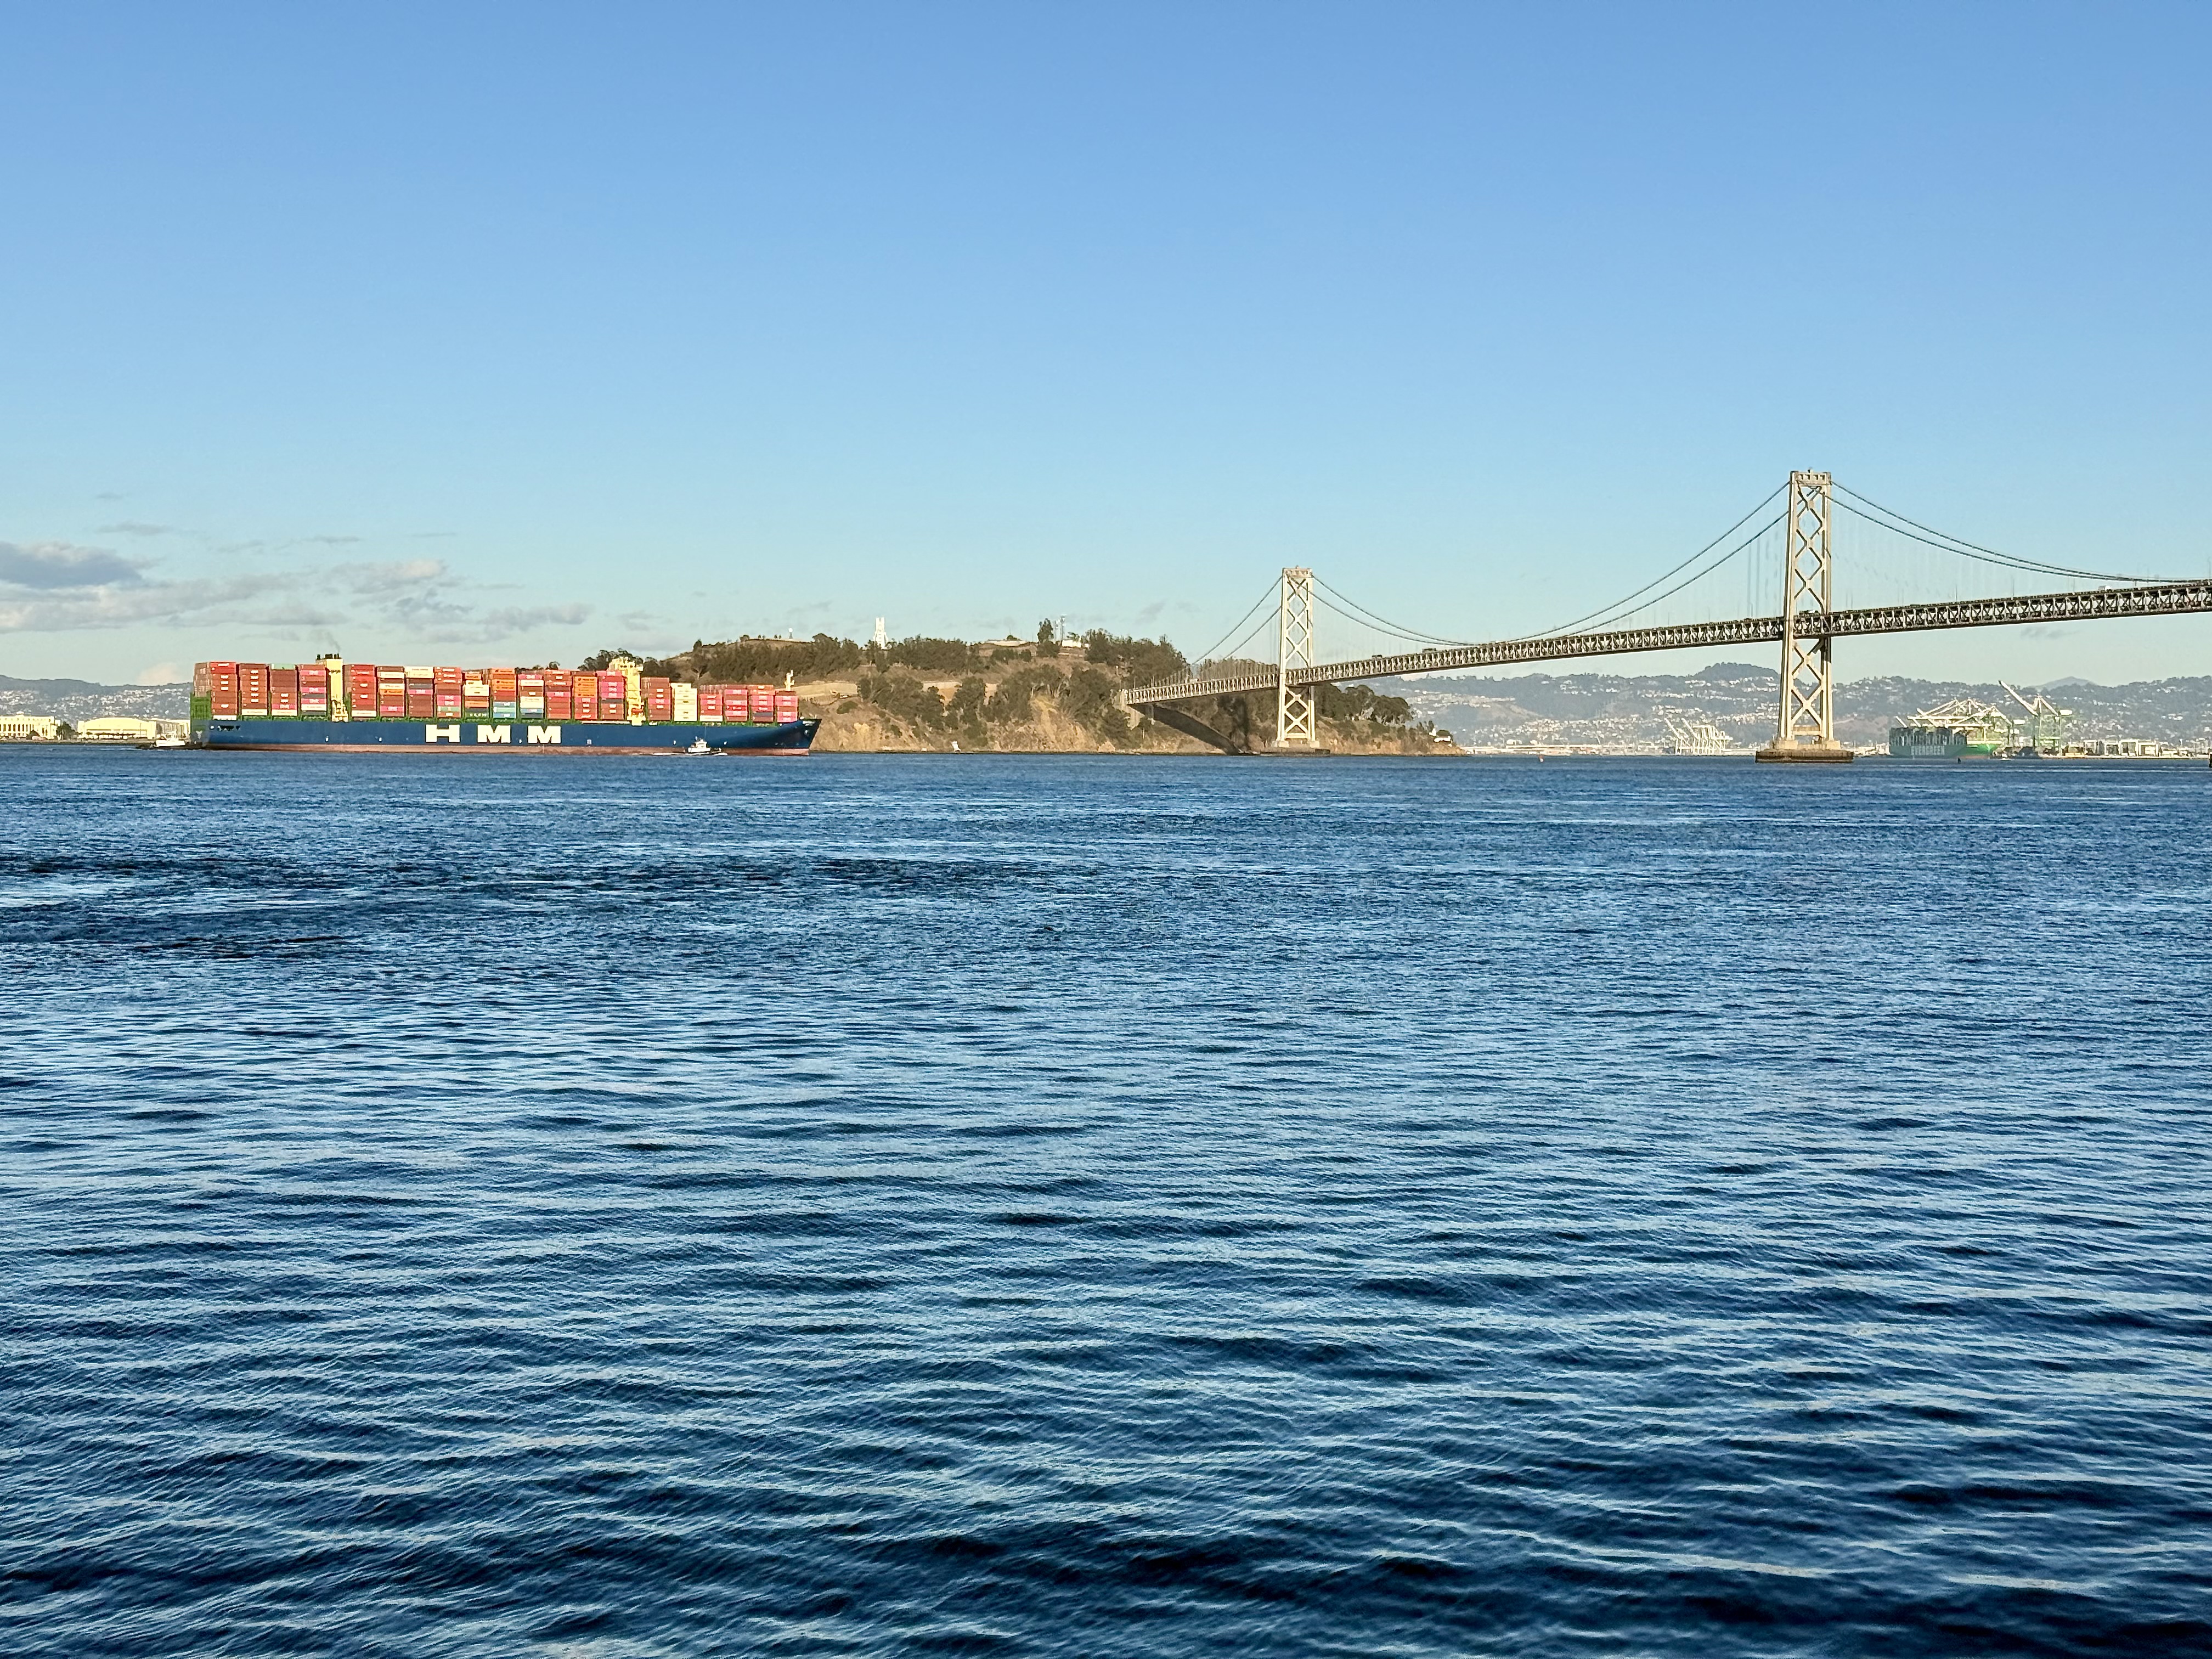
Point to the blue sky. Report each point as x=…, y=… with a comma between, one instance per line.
x=502, y=333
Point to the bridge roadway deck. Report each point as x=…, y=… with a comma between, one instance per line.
x=2161, y=600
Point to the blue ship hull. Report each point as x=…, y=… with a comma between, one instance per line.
x=500, y=737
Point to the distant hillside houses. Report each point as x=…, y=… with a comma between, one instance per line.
x=75, y=702
x=1632, y=711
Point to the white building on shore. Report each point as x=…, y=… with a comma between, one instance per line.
x=129, y=728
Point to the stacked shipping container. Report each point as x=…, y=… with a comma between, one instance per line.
x=217, y=682
x=373, y=691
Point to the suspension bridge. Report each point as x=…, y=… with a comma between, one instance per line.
x=1806, y=623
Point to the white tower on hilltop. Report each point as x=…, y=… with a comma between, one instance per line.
x=882, y=638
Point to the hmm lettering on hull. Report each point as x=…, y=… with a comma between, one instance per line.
x=550, y=734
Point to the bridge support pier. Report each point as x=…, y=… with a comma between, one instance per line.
x=1806, y=728
x=1295, y=727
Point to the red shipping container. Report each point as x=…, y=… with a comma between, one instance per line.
x=614, y=697
x=559, y=704
x=763, y=703
x=360, y=687
x=221, y=691
x=284, y=691
x=586, y=696
x=659, y=699
x=448, y=704
x=710, y=702
x=787, y=707
x=253, y=688
x=447, y=679
x=315, y=689
x=501, y=681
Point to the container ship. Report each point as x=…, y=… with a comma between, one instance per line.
x=350, y=708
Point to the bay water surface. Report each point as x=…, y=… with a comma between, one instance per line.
x=1097, y=1206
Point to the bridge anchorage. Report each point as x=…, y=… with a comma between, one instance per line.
x=1807, y=628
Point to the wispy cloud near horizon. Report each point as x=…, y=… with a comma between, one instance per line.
x=48, y=567
x=56, y=587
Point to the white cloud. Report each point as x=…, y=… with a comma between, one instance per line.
x=161, y=673
x=53, y=567
x=51, y=587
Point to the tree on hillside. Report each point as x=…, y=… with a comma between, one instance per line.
x=1015, y=699
x=904, y=696
x=1143, y=662
x=931, y=656
x=1093, y=700
x=1360, y=702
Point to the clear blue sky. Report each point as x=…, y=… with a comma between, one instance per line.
x=463, y=332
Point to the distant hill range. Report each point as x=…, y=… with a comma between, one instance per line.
x=1630, y=710
x=82, y=700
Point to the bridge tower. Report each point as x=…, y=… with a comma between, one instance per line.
x=1294, y=643
x=1807, y=729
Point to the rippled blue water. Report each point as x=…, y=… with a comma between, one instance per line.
x=1089, y=1207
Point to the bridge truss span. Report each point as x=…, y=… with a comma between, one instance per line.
x=2150, y=599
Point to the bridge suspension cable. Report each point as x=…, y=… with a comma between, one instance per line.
x=1944, y=541
x=1213, y=653
x=1621, y=607
x=1353, y=610
x=1623, y=611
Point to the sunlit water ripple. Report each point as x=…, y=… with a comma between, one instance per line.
x=1093, y=1208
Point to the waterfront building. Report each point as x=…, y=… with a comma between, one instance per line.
x=129, y=728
